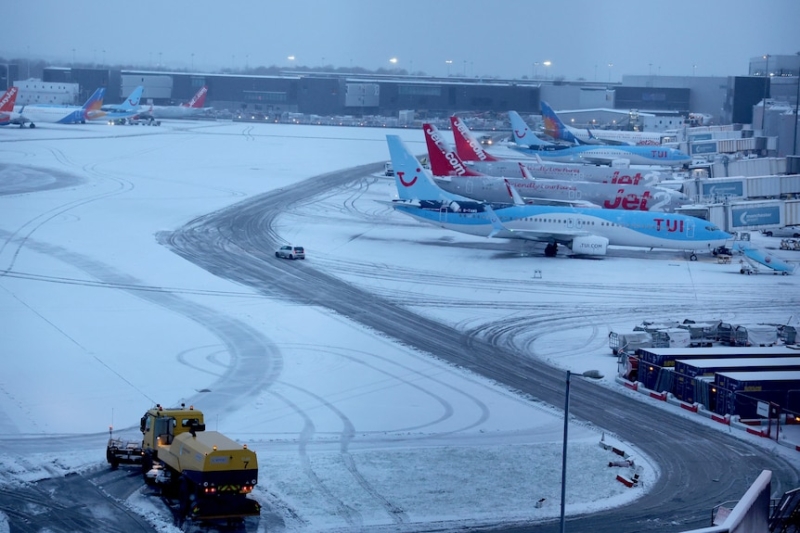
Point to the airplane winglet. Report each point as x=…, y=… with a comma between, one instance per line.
x=524, y=170
x=515, y=197
x=495, y=220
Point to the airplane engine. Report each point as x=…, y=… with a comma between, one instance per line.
x=589, y=245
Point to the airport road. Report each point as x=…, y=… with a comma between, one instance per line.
x=237, y=243
x=699, y=469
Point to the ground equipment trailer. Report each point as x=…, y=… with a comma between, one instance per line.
x=119, y=451
x=208, y=473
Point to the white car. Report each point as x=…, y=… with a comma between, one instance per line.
x=291, y=252
x=788, y=231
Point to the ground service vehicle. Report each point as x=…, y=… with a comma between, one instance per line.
x=120, y=451
x=628, y=341
x=291, y=252
x=208, y=473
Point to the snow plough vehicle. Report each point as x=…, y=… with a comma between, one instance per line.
x=209, y=474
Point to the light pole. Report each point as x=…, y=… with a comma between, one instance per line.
x=192, y=60
x=448, y=62
x=547, y=68
x=796, y=106
x=764, y=101
x=593, y=374
x=609, y=71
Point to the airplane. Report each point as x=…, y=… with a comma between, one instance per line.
x=453, y=175
x=555, y=128
x=190, y=109
x=584, y=231
x=66, y=114
x=597, y=153
x=121, y=113
x=131, y=103
x=470, y=151
x=524, y=136
x=7, y=114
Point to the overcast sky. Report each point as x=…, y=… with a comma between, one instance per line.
x=482, y=38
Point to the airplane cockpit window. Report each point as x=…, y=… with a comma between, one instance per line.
x=712, y=228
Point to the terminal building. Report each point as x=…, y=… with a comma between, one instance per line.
x=648, y=103
x=722, y=122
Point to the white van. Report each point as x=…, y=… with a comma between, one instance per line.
x=784, y=233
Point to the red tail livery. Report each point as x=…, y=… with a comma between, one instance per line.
x=444, y=161
x=468, y=147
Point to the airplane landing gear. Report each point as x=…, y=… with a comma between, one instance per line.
x=551, y=250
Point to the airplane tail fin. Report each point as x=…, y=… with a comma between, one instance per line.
x=199, y=99
x=553, y=125
x=132, y=102
x=412, y=181
x=444, y=161
x=95, y=102
x=468, y=147
x=523, y=135
x=8, y=99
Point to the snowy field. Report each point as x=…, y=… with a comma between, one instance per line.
x=101, y=322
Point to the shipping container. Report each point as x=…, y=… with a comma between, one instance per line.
x=687, y=371
x=738, y=393
x=653, y=360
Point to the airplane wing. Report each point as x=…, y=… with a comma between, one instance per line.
x=603, y=160
x=500, y=231
x=532, y=200
x=600, y=139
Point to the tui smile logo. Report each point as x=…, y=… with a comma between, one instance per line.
x=520, y=135
x=401, y=177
